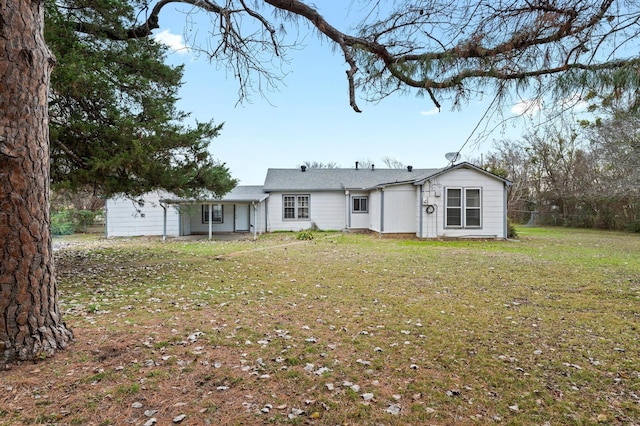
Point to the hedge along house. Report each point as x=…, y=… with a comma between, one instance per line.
x=242, y=210
x=460, y=201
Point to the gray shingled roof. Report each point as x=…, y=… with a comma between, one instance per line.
x=246, y=193
x=339, y=179
x=326, y=180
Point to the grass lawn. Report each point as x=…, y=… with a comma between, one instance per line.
x=342, y=330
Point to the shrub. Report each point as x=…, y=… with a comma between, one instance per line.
x=83, y=218
x=633, y=226
x=305, y=235
x=511, y=230
x=61, y=223
x=68, y=221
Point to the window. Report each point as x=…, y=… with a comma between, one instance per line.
x=360, y=204
x=295, y=206
x=472, y=208
x=217, y=213
x=463, y=208
x=454, y=207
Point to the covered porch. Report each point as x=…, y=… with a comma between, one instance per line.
x=241, y=211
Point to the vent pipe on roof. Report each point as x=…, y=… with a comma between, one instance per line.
x=303, y=168
x=357, y=162
x=409, y=168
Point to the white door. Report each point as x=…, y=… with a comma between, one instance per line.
x=242, y=218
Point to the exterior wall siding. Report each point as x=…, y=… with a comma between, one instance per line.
x=326, y=211
x=358, y=220
x=185, y=220
x=257, y=218
x=395, y=208
x=195, y=219
x=124, y=219
x=399, y=209
x=192, y=219
x=375, y=199
x=492, y=196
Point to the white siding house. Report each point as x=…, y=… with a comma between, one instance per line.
x=460, y=201
x=127, y=217
x=398, y=209
x=243, y=210
x=469, y=203
x=358, y=209
x=298, y=210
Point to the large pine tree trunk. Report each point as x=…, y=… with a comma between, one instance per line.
x=30, y=320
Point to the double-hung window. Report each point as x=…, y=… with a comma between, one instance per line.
x=295, y=206
x=472, y=208
x=360, y=204
x=463, y=208
x=216, y=213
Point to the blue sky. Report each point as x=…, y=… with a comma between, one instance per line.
x=309, y=117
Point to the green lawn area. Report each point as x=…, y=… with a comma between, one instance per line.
x=344, y=329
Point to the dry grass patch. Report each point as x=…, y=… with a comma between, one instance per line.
x=343, y=329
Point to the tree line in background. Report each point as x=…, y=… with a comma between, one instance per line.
x=584, y=175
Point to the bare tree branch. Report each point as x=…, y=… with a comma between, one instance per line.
x=441, y=47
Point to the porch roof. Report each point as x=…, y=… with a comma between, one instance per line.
x=239, y=194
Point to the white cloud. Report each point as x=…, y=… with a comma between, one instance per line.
x=527, y=107
x=172, y=41
x=432, y=111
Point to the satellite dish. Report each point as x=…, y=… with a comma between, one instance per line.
x=452, y=156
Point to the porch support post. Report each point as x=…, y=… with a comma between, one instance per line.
x=210, y=221
x=255, y=221
x=164, y=221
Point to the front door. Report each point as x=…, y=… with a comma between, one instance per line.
x=242, y=218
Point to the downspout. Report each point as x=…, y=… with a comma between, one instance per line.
x=210, y=221
x=505, y=230
x=381, y=210
x=164, y=221
x=347, y=212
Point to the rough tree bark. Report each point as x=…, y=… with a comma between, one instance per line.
x=30, y=322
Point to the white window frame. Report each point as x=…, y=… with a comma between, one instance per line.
x=464, y=208
x=215, y=218
x=360, y=199
x=468, y=208
x=301, y=206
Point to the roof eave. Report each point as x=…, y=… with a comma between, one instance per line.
x=214, y=200
x=463, y=165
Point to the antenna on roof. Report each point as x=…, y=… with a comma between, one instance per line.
x=452, y=157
